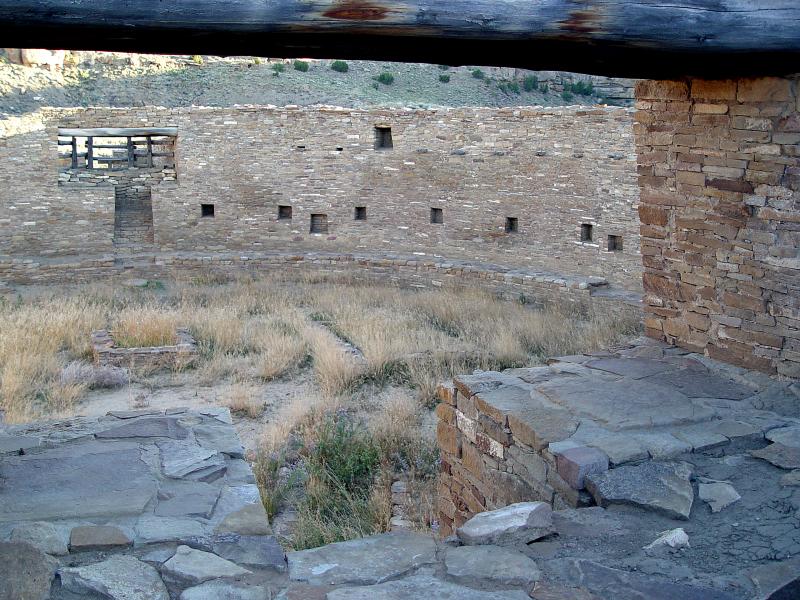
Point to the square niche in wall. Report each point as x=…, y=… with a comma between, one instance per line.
x=437, y=215
x=284, y=213
x=586, y=232
x=512, y=224
x=206, y=210
x=319, y=223
x=360, y=213
x=615, y=243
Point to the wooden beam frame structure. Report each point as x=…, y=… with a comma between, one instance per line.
x=628, y=38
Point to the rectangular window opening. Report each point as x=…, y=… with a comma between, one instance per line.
x=383, y=138
x=360, y=213
x=284, y=213
x=319, y=223
x=512, y=225
x=206, y=210
x=586, y=232
x=615, y=243
x=437, y=215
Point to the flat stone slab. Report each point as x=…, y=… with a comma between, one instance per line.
x=97, y=537
x=191, y=567
x=696, y=383
x=147, y=427
x=25, y=572
x=519, y=523
x=118, y=578
x=152, y=530
x=364, y=561
x=788, y=436
x=262, y=551
x=625, y=404
x=422, y=586
x=635, y=368
x=81, y=481
x=184, y=459
x=491, y=563
x=15, y=443
x=664, y=488
x=785, y=457
x=250, y=520
x=186, y=498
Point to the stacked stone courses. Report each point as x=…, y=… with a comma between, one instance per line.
x=551, y=169
x=719, y=173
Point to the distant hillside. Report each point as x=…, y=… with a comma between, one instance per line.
x=113, y=79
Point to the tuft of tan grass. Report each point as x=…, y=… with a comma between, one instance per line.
x=242, y=399
x=335, y=371
x=144, y=326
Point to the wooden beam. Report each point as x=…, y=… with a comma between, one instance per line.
x=639, y=38
x=117, y=132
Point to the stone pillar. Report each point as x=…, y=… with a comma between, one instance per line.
x=719, y=176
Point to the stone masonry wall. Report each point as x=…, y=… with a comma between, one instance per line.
x=719, y=171
x=551, y=169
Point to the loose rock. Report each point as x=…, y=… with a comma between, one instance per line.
x=118, y=578
x=25, y=572
x=519, y=523
x=191, y=567
x=41, y=535
x=718, y=495
x=491, y=563
x=674, y=538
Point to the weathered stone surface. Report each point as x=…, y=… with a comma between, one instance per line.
x=791, y=479
x=15, y=443
x=183, y=459
x=620, y=448
x=700, y=438
x=788, y=436
x=132, y=414
x=251, y=550
x=152, y=530
x=186, y=498
x=660, y=487
x=147, y=427
x=785, y=457
x=48, y=481
x=700, y=383
x=605, y=582
x=574, y=464
x=518, y=523
x=97, y=537
x=624, y=404
x=25, y=572
x=421, y=586
x=635, y=368
x=718, y=495
x=777, y=580
x=663, y=445
x=737, y=430
x=363, y=561
x=221, y=590
x=491, y=563
x=192, y=567
x=118, y=578
x=250, y=520
x=234, y=498
x=42, y=535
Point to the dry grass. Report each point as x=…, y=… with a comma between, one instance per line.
x=243, y=399
x=143, y=326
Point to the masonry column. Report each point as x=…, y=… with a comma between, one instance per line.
x=719, y=175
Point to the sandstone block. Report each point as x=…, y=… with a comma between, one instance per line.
x=574, y=464
x=519, y=523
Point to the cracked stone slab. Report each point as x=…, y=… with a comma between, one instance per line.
x=625, y=404
x=695, y=383
x=250, y=520
x=422, y=586
x=785, y=457
x=700, y=438
x=220, y=438
x=364, y=561
x=81, y=481
x=147, y=427
x=663, y=445
x=192, y=567
x=635, y=368
x=222, y=590
x=152, y=530
x=182, y=459
x=186, y=499
x=491, y=563
x=118, y=578
x=664, y=488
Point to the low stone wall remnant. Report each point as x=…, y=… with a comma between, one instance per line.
x=180, y=355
